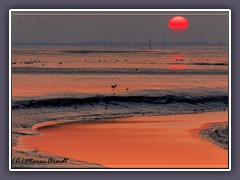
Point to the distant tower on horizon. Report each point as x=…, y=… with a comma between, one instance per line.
x=104, y=43
x=150, y=42
x=201, y=38
x=219, y=42
x=163, y=41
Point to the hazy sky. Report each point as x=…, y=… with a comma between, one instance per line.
x=70, y=27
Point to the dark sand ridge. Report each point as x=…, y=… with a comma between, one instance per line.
x=217, y=134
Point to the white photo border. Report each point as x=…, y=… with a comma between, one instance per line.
x=118, y=169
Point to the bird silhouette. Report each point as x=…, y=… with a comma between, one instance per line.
x=114, y=86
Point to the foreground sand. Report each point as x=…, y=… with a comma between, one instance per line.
x=136, y=142
x=27, y=158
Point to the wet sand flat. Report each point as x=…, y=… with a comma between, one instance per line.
x=171, y=141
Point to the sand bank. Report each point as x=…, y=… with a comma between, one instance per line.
x=217, y=134
x=136, y=142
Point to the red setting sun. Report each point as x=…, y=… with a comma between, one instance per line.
x=178, y=23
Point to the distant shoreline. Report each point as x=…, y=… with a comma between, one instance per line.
x=97, y=44
x=111, y=51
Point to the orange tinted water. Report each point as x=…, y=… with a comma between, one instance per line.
x=136, y=142
x=43, y=84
